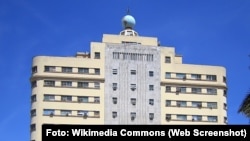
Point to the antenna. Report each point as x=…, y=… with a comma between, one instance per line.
x=128, y=11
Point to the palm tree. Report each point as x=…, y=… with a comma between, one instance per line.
x=245, y=106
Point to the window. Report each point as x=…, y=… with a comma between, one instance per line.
x=168, y=117
x=33, y=127
x=49, y=68
x=211, y=91
x=151, y=116
x=97, y=71
x=151, y=101
x=83, y=99
x=114, y=85
x=133, y=72
x=224, y=79
x=114, y=71
x=132, y=87
x=97, y=55
x=196, y=76
x=151, y=73
x=196, y=118
x=49, y=83
x=212, y=105
x=168, y=88
x=212, y=118
x=49, y=97
x=196, y=90
x=66, y=98
x=33, y=98
x=225, y=120
x=83, y=70
x=132, y=115
x=167, y=75
x=151, y=87
x=225, y=93
x=97, y=99
x=181, y=75
x=34, y=69
x=181, y=89
x=167, y=59
x=82, y=113
x=48, y=112
x=196, y=104
x=181, y=117
x=66, y=112
x=96, y=113
x=181, y=103
x=97, y=85
x=114, y=114
x=133, y=101
x=211, y=77
x=33, y=84
x=33, y=112
x=225, y=106
x=82, y=84
x=67, y=69
x=114, y=100
x=168, y=103
x=66, y=84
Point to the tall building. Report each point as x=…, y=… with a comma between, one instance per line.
x=125, y=79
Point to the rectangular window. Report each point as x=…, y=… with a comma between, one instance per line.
x=225, y=93
x=196, y=118
x=114, y=100
x=66, y=84
x=96, y=99
x=48, y=112
x=212, y=118
x=49, y=68
x=49, y=83
x=34, y=69
x=181, y=117
x=181, y=89
x=82, y=84
x=83, y=70
x=225, y=120
x=151, y=87
x=66, y=98
x=168, y=117
x=82, y=113
x=114, y=71
x=224, y=79
x=197, y=104
x=167, y=59
x=225, y=106
x=33, y=127
x=151, y=101
x=133, y=72
x=97, y=71
x=180, y=75
x=211, y=77
x=114, y=114
x=97, y=85
x=33, y=98
x=151, y=116
x=114, y=85
x=133, y=101
x=168, y=88
x=151, y=74
x=66, y=112
x=83, y=99
x=211, y=91
x=196, y=90
x=132, y=87
x=33, y=112
x=168, y=103
x=67, y=69
x=181, y=103
x=212, y=105
x=49, y=97
x=97, y=55
x=133, y=115
x=33, y=84
x=167, y=75
x=196, y=76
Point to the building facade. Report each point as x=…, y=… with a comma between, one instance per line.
x=125, y=79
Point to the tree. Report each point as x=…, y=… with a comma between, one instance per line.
x=245, y=106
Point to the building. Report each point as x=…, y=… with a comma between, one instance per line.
x=128, y=79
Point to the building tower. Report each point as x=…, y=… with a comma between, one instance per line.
x=125, y=79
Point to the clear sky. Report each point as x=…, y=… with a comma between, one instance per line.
x=209, y=32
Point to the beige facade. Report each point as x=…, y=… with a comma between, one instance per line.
x=125, y=80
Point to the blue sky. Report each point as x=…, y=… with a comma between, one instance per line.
x=209, y=32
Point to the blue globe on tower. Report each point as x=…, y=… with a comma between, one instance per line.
x=128, y=22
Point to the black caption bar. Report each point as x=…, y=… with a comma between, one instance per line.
x=78, y=132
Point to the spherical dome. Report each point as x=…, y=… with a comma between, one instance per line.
x=128, y=21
